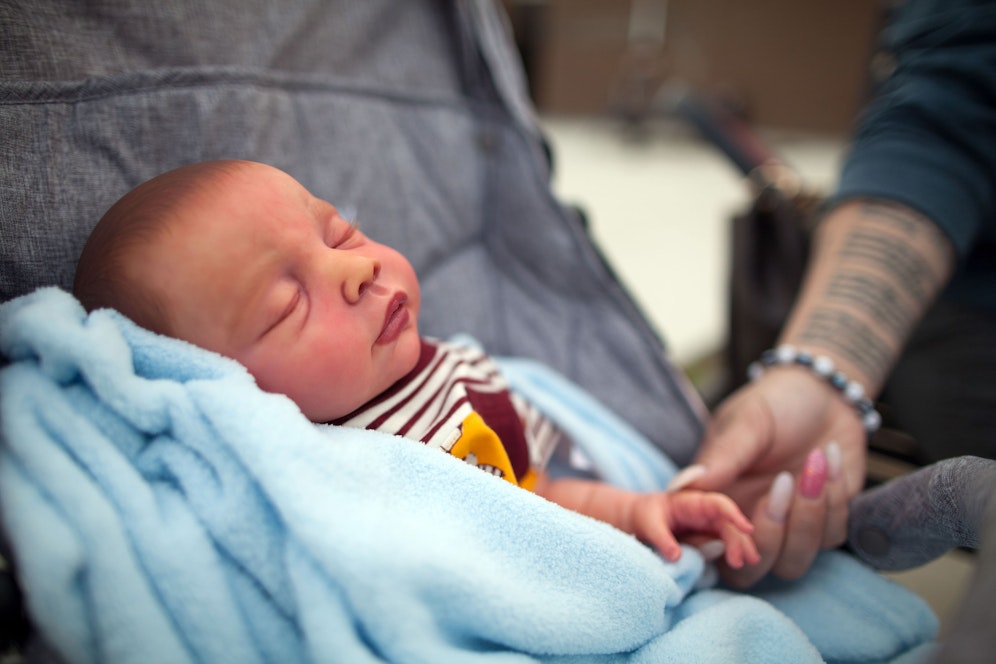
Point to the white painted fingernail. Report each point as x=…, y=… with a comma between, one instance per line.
x=833, y=459
x=712, y=550
x=780, y=496
x=686, y=477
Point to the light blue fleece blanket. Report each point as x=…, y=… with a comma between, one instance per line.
x=161, y=508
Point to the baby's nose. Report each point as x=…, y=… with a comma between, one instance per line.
x=359, y=273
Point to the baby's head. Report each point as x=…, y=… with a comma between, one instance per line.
x=239, y=258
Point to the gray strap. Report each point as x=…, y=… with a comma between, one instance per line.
x=497, y=48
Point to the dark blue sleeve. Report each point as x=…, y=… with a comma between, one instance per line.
x=928, y=140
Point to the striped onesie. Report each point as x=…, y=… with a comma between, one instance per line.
x=456, y=399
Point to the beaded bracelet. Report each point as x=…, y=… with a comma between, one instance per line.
x=822, y=366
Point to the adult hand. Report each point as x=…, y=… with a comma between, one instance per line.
x=773, y=426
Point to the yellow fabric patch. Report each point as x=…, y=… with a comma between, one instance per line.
x=480, y=446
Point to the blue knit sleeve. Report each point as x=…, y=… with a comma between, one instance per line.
x=928, y=139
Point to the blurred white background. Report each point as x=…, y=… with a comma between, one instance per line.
x=660, y=209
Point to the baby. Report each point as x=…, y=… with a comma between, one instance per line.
x=239, y=258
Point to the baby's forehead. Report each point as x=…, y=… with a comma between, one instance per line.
x=215, y=204
x=258, y=182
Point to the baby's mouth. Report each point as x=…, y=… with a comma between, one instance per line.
x=395, y=319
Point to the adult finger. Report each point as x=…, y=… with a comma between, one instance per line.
x=769, y=520
x=807, y=520
x=733, y=442
x=835, y=532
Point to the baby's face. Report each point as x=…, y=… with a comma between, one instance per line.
x=265, y=273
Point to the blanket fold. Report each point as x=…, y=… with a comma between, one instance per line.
x=160, y=507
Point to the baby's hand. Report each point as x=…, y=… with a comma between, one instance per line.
x=661, y=519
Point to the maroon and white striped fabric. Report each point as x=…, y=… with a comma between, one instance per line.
x=444, y=400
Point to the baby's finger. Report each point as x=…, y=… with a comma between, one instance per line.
x=652, y=528
x=740, y=547
x=694, y=510
x=769, y=534
x=666, y=544
x=730, y=513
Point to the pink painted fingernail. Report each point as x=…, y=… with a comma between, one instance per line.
x=814, y=474
x=780, y=497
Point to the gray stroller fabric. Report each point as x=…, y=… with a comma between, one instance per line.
x=410, y=115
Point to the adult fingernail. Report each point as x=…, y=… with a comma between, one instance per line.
x=833, y=459
x=814, y=474
x=780, y=497
x=686, y=477
x=712, y=550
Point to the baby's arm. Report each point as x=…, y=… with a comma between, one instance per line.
x=659, y=518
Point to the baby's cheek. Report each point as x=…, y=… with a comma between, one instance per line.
x=280, y=380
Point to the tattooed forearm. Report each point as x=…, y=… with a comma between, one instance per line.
x=887, y=255
x=903, y=218
x=833, y=328
x=876, y=266
x=878, y=300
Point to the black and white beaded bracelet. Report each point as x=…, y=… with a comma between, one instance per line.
x=822, y=366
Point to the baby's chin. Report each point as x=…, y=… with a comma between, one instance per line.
x=405, y=354
x=324, y=416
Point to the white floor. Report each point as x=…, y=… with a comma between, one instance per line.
x=660, y=210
